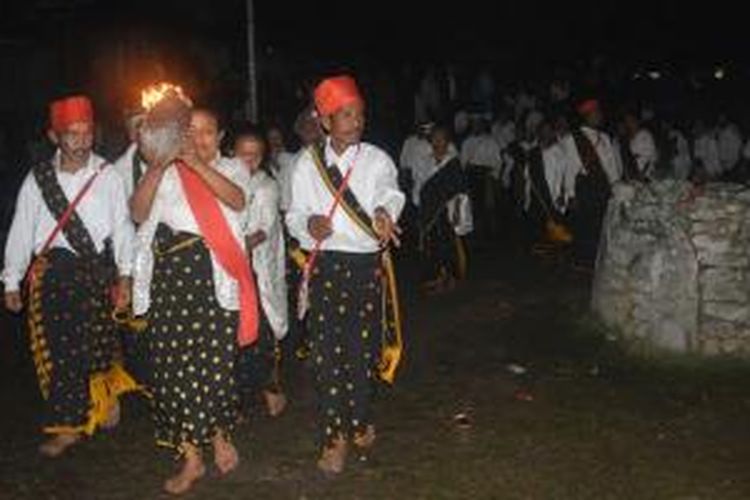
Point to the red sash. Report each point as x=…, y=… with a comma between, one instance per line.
x=228, y=251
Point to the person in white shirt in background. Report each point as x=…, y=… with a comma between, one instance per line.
x=71, y=277
x=257, y=366
x=444, y=214
x=345, y=301
x=706, y=152
x=680, y=159
x=422, y=166
x=730, y=144
x=505, y=134
x=281, y=158
x=482, y=159
x=415, y=149
x=543, y=171
x=592, y=130
x=594, y=170
x=642, y=154
x=308, y=131
x=504, y=130
x=555, y=159
x=130, y=165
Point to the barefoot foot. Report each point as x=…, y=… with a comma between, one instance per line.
x=192, y=470
x=56, y=446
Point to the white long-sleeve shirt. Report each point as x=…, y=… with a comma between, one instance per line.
x=425, y=168
x=269, y=257
x=415, y=148
x=555, y=160
x=482, y=151
x=103, y=211
x=643, y=149
x=374, y=181
x=284, y=163
x=170, y=207
x=730, y=147
x=459, y=207
x=284, y=180
x=681, y=162
x=124, y=167
x=604, y=150
x=706, y=149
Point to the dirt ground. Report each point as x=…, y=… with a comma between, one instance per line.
x=509, y=390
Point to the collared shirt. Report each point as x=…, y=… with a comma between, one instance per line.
x=373, y=181
x=103, y=211
x=170, y=207
x=604, y=150
x=124, y=167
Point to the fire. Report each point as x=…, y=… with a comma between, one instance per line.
x=153, y=94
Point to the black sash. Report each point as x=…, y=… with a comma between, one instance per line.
x=439, y=189
x=590, y=160
x=332, y=178
x=54, y=197
x=538, y=179
x=629, y=162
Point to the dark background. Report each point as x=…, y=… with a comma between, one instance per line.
x=111, y=49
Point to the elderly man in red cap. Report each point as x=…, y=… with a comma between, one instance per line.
x=344, y=207
x=72, y=217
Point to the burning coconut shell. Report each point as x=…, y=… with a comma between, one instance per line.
x=166, y=123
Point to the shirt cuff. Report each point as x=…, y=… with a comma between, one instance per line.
x=394, y=205
x=12, y=284
x=125, y=271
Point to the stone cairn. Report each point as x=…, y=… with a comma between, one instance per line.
x=673, y=270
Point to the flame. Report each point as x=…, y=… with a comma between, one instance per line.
x=152, y=95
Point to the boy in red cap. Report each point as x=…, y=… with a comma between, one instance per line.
x=344, y=208
x=82, y=263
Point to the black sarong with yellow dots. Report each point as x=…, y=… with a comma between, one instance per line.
x=74, y=341
x=344, y=323
x=192, y=345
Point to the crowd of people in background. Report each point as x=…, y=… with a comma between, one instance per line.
x=553, y=155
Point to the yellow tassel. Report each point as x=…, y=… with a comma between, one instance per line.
x=391, y=350
x=557, y=232
x=462, y=259
x=126, y=318
x=104, y=390
x=298, y=256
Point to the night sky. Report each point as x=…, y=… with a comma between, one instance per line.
x=471, y=30
x=63, y=46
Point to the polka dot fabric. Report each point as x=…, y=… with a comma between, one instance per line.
x=192, y=345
